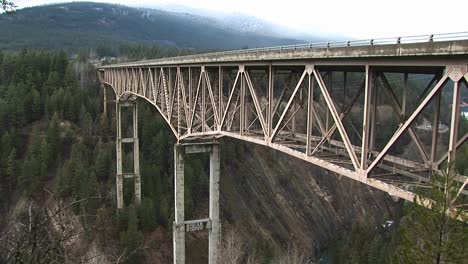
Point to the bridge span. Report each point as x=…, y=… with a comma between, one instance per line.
x=382, y=112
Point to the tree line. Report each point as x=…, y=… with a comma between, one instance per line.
x=54, y=133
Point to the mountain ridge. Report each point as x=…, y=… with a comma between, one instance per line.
x=86, y=24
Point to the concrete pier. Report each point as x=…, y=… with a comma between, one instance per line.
x=179, y=214
x=136, y=156
x=213, y=223
x=215, y=231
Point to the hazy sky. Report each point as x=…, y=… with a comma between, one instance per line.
x=354, y=18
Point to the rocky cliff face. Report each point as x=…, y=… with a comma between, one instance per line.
x=272, y=196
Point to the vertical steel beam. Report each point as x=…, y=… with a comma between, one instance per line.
x=270, y=101
x=310, y=111
x=177, y=98
x=203, y=99
x=220, y=97
x=293, y=121
x=455, y=116
x=405, y=94
x=179, y=214
x=169, y=82
x=191, y=108
x=327, y=116
x=435, y=130
x=242, y=104
x=366, y=118
x=215, y=231
x=373, y=118
x=345, y=81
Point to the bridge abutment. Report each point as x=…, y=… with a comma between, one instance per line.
x=213, y=223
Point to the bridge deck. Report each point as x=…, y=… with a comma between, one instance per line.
x=425, y=53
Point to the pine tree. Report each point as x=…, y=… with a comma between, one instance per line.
x=147, y=215
x=6, y=146
x=89, y=195
x=35, y=105
x=10, y=172
x=29, y=180
x=45, y=158
x=163, y=214
x=86, y=122
x=431, y=235
x=104, y=125
x=103, y=224
x=52, y=83
x=53, y=136
x=34, y=148
x=102, y=164
x=132, y=238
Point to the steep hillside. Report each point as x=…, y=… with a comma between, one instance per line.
x=286, y=201
x=87, y=24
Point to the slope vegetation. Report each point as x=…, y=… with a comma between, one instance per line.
x=87, y=24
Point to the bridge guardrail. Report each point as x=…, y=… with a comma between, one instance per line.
x=354, y=43
x=334, y=44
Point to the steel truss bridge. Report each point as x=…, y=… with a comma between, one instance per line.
x=382, y=112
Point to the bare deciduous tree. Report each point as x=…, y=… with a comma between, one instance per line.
x=42, y=235
x=292, y=256
x=232, y=248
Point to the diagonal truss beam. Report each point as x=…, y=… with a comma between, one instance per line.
x=212, y=99
x=229, y=100
x=256, y=102
x=336, y=117
x=400, y=113
x=165, y=92
x=342, y=117
x=184, y=96
x=195, y=103
x=285, y=111
x=409, y=121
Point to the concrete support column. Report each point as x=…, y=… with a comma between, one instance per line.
x=136, y=156
x=213, y=223
x=105, y=98
x=215, y=231
x=179, y=225
x=118, y=146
